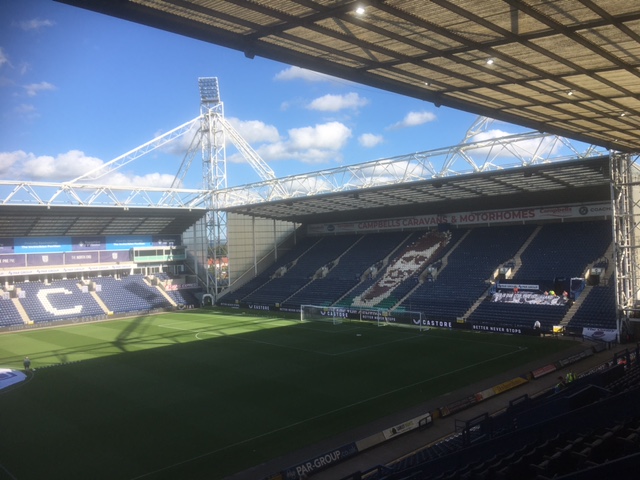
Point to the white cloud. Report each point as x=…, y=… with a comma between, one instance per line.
x=20, y=165
x=370, y=140
x=413, y=119
x=35, y=24
x=34, y=88
x=489, y=135
x=316, y=144
x=8, y=160
x=297, y=73
x=64, y=166
x=180, y=146
x=334, y=103
x=528, y=149
x=4, y=59
x=25, y=109
x=255, y=131
x=161, y=180
x=327, y=136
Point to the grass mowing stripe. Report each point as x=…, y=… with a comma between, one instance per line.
x=322, y=415
x=254, y=399
x=197, y=333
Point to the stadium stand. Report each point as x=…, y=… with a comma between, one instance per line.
x=445, y=281
x=598, y=309
x=9, y=314
x=348, y=270
x=61, y=299
x=187, y=295
x=551, y=254
x=469, y=267
x=405, y=269
x=564, y=250
x=280, y=266
x=130, y=294
x=588, y=429
x=443, y=274
x=279, y=288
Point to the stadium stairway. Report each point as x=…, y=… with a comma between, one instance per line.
x=443, y=427
x=346, y=300
x=166, y=295
x=576, y=305
x=518, y=256
x=23, y=313
x=99, y=301
x=444, y=260
x=477, y=303
x=608, y=277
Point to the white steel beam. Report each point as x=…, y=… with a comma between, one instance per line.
x=90, y=194
x=138, y=152
x=495, y=154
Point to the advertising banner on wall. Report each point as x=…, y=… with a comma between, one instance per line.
x=114, y=256
x=125, y=242
x=12, y=261
x=464, y=218
x=6, y=245
x=84, y=257
x=165, y=240
x=88, y=243
x=42, y=244
x=45, y=259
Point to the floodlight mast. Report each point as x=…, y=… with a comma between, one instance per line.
x=214, y=168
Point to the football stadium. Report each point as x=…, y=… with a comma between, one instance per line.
x=468, y=312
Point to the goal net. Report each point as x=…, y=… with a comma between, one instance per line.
x=315, y=313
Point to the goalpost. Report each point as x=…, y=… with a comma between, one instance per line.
x=381, y=317
x=316, y=313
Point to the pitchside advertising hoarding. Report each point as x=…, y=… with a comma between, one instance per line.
x=466, y=218
x=406, y=318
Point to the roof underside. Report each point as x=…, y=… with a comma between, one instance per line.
x=568, y=67
x=583, y=181
x=40, y=221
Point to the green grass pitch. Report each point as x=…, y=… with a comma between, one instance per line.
x=204, y=394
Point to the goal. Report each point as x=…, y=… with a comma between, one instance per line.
x=315, y=313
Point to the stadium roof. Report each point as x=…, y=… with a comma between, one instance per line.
x=38, y=221
x=579, y=181
x=568, y=67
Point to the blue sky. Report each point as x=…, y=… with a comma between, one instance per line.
x=78, y=89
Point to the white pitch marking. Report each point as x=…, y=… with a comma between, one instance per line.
x=315, y=417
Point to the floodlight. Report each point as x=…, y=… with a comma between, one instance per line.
x=209, y=91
